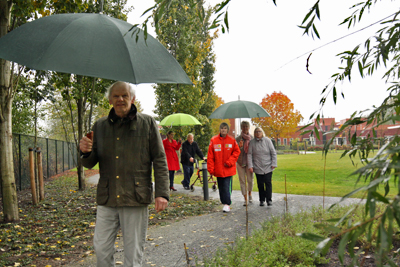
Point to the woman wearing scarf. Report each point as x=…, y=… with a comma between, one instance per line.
x=241, y=165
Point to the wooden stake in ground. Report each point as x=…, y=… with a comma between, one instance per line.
x=32, y=173
x=40, y=173
x=186, y=253
x=286, y=200
x=323, y=188
x=247, y=203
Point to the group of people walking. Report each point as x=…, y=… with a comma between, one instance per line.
x=245, y=154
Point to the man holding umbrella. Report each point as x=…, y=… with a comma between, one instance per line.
x=127, y=145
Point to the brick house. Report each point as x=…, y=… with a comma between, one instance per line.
x=328, y=124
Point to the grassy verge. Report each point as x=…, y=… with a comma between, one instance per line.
x=277, y=245
x=305, y=175
x=61, y=227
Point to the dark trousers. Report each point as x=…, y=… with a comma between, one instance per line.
x=225, y=189
x=264, y=186
x=187, y=174
x=171, y=178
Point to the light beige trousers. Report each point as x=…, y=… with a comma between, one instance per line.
x=244, y=173
x=133, y=222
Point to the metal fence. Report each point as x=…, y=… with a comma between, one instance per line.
x=57, y=157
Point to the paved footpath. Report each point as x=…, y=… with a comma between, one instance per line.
x=204, y=235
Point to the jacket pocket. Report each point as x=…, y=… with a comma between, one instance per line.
x=143, y=190
x=102, y=192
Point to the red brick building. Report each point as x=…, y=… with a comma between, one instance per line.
x=329, y=124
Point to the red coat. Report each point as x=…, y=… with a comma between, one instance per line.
x=222, y=156
x=170, y=152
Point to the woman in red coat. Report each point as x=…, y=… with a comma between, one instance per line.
x=170, y=147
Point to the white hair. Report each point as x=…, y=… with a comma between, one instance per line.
x=130, y=88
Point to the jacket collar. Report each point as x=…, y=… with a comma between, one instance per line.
x=113, y=118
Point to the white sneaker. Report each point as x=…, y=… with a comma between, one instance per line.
x=250, y=199
x=226, y=208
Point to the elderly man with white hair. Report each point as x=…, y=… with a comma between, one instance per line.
x=127, y=145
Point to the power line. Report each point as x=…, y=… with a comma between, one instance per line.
x=306, y=53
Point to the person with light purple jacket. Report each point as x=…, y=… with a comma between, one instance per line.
x=262, y=160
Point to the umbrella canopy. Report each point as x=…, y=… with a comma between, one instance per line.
x=93, y=45
x=179, y=119
x=239, y=109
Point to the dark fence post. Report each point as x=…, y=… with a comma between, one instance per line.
x=63, y=162
x=40, y=173
x=69, y=165
x=20, y=162
x=47, y=155
x=205, y=180
x=56, y=155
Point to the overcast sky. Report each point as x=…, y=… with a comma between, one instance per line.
x=252, y=59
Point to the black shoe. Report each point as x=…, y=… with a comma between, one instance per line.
x=182, y=184
x=186, y=187
x=262, y=203
x=269, y=203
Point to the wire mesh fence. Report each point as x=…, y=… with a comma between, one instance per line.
x=57, y=157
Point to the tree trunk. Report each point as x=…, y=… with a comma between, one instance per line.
x=81, y=172
x=9, y=191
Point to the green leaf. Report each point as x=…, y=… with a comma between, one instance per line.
x=307, y=16
x=334, y=95
x=226, y=21
x=360, y=68
x=380, y=198
x=316, y=132
x=317, y=10
x=323, y=247
x=220, y=6
x=312, y=237
x=149, y=9
x=384, y=245
x=342, y=247
x=333, y=220
x=315, y=31
x=327, y=227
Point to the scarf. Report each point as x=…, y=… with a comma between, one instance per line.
x=246, y=138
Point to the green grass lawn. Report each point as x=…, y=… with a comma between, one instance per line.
x=305, y=175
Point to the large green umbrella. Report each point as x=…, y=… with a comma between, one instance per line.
x=179, y=119
x=93, y=45
x=239, y=109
